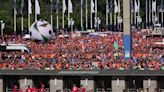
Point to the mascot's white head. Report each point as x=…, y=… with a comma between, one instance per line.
x=41, y=30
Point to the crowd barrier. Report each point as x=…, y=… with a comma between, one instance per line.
x=160, y=90
x=135, y=90
x=11, y=90
x=103, y=90
x=98, y=90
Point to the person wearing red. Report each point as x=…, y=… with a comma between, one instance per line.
x=83, y=89
x=75, y=88
x=34, y=89
x=15, y=88
x=28, y=89
x=42, y=89
x=20, y=90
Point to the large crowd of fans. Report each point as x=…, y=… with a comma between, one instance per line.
x=86, y=53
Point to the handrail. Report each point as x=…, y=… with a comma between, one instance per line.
x=11, y=90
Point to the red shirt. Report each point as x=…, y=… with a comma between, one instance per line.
x=83, y=89
x=20, y=90
x=41, y=90
x=34, y=90
x=28, y=90
x=14, y=90
x=75, y=89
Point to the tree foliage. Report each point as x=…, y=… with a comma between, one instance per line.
x=6, y=12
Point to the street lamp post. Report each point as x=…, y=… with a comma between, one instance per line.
x=154, y=21
x=119, y=21
x=98, y=23
x=139, y=20
x=71, y=23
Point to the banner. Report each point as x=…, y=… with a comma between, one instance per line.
x=115, y=45
x=127, y=46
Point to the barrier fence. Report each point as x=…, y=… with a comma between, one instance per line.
x=11, y=90
x=103, y=90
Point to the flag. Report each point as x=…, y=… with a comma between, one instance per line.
x=81, y=3
x=70, y=7
x=15, y=7
x=119, y=7
x=29, y=7
x=37, y=7
x=51, y=7
x=161, y=9
x=64, y=6
x=110, y=6
x=92, y=6
x=115, y=45
x=115, y=6
x=154, y=6
x=57, y=6
x=136, y=6
x=132, y=7
x=22, y=7
x=107, y=7
x=116, y=53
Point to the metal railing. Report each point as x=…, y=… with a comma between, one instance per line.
x=11, y=90
x=103, y=90
x=134, y=90
x=160, y=90
x=130, y=90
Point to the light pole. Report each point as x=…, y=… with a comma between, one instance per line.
x=119, y=21
x=98, y=22
x=161, y=10
x=71, y=23
x=139, y=20
x=154, y=21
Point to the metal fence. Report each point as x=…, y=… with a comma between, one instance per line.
x=103, y=90
x=11, y=90
x=160, y=90
x=133, y=90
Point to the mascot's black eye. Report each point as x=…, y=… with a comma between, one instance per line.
x=30, y=33
x=50, y=32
